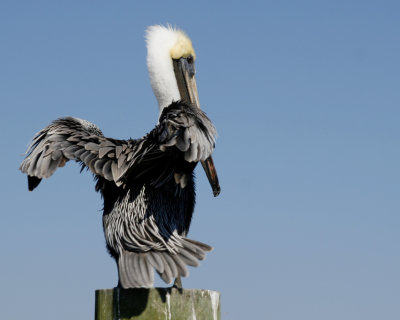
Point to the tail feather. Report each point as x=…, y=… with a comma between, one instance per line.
x=171, y=264
x=126, y=277
x=123, y=272
x=136, y=269
x=167, y=274
x=182, y=270
x=188, y=258
x=195, y=250
x=147, y=269
x=138, y=275
x=201, y=245
x=156, y=261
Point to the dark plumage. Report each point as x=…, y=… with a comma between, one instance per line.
x=147, y=186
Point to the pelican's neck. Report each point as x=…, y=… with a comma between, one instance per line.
x=160, y=40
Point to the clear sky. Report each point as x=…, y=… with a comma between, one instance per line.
x=305, y=96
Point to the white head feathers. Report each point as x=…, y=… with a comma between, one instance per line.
x=163, y=45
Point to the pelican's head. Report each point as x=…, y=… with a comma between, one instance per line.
x=170, y=61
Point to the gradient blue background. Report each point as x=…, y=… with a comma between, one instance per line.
x=305, y=96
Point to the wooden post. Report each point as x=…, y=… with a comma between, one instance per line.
x=157, y=303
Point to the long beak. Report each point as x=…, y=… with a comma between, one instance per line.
x=209, y=168
x=184, y=73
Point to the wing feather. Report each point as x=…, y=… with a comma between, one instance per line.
x=107, y=170
x=187, y=129
x=75, y=139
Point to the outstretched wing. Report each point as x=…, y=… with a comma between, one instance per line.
x=75, y=139
x=183, y=132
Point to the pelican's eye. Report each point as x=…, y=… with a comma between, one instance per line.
x=190, y=59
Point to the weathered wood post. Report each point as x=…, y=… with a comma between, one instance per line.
x=157, y=303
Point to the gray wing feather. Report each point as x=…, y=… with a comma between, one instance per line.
x=55, y=154
x=188, y=129
x=107, y=170
x=104, y=150
x=99, y=165
x=118, y=151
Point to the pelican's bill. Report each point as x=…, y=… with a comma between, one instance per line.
x=184, y=73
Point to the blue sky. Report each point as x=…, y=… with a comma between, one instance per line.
x=305, y=96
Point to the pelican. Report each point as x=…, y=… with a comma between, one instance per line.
x=147, y=184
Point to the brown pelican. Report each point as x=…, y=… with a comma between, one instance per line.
x=147, y=184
